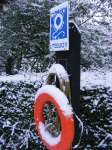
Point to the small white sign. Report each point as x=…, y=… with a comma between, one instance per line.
x=59, y=27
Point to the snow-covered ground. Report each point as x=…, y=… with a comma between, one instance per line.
x=28, y=77
x=89, y=79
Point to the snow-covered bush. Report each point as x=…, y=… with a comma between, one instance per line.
x=17, y=128
x=96, y=111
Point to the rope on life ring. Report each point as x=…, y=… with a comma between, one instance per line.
x=46, y=94
x=58, y=76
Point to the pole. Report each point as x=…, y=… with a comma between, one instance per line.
x=71, y=61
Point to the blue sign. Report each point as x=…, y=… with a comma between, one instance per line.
x=59, y=24
x=59, y=35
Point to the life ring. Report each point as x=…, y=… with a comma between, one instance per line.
x=59, y=76
x=49, y=93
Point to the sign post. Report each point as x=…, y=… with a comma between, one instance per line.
x=65, y=39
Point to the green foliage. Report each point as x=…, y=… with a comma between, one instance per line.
x=25, y=31
x=17, y=128
x=94, y=21
x=95, y=112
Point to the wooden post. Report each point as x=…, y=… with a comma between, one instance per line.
x=71, y=61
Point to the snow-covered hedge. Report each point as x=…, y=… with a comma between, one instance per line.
x=96, y=114
x=17, y=128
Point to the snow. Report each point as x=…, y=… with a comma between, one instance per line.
x=91, y=79
x=32, y=77
x=59, y=96
x=59, y=70
x=36, y=5
x=102, y=144
x=47, y=136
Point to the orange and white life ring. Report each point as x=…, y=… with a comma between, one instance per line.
x=49, y=93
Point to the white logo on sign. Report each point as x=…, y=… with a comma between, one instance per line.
x=58, y=26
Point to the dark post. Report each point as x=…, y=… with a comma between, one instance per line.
x=71, y=61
